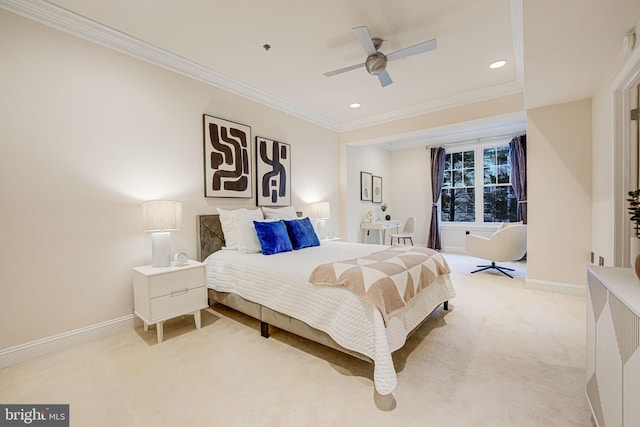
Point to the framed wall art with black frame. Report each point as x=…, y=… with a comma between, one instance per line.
x=376, y=189
x=365, y=186
x=227, y=158
x=273, y=172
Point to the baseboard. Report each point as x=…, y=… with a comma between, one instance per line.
x=454, y=249
x=31, y=350
x=556, y=287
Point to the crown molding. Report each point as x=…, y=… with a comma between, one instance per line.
x=92, y=31
x=87, y=29
x=441, y=104
x=478, y=130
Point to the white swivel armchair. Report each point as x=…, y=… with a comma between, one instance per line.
x=407, y=232
x=508, y=243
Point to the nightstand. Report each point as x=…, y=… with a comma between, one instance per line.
x=161, y=293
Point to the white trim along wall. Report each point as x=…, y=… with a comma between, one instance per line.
x=31, y=350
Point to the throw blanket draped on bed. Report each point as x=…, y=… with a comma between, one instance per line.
x=388, y=278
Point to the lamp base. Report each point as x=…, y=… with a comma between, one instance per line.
x=321, y=228
x=161, y=249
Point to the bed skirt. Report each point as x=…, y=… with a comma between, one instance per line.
x=287, y=323
x=279, y=320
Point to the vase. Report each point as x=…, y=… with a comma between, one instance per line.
x=634, y=249
x=636, y=266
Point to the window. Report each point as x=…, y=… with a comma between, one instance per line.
x=458, y=188
x=500, y=203
x=489, y=199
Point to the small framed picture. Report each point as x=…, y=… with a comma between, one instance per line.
x=365, y=186
x=376, y=191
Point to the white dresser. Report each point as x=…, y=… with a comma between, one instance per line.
x=613, y=338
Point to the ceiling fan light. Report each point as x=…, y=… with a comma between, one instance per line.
x=497, y=64
x=376, y=63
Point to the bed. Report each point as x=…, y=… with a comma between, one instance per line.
x=275, y=289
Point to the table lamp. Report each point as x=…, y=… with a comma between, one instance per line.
x=160, y=217
x=321, y=211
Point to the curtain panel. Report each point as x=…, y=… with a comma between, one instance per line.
x=437, y=178
x=518, y=156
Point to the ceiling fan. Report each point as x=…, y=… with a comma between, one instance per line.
x=376, y=63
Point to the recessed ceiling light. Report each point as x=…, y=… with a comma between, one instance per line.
x=354, y=105
x=497, y=64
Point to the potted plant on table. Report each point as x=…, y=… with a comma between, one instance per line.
x=383, y=208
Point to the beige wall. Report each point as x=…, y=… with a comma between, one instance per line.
x=406, y=188
x=559, y=193
x=367, y=159
x=612, y=178
x=87, y=135
x=410, y=193
x=435, y=119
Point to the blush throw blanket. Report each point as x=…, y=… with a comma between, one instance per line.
x=388, y=278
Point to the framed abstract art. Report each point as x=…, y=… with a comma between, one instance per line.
x=273, y=172
x=227, y=158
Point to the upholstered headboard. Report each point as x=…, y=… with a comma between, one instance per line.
x=210, y=235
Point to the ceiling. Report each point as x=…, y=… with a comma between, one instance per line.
x=551, y=58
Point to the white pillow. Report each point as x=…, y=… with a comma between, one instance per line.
x=288, y=212
x=248, y=241
x=229, y=219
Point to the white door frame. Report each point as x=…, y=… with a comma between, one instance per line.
x=625, y=154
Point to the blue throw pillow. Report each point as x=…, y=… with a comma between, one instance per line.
x=273, y=237
x=301, y=233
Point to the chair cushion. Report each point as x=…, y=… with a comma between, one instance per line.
x=506, y=244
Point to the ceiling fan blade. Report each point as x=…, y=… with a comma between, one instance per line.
x=385, y=78
x=363, y=36
x=343, y=70
x=427, y=46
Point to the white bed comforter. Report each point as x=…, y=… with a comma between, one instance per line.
x=280, y=282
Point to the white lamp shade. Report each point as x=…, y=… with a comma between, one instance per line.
x=321, y=210
x=162, y=215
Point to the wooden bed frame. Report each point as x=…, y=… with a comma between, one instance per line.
x=210, y=240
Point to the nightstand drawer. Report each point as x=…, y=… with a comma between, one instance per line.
x=165, y=284
x=178, y=302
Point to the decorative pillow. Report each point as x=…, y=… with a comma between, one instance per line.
x=273, y=237
x=301, y=233
x=229, y=223
x=248, y=241
x=288, y=212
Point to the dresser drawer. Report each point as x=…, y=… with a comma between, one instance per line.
x=178, y=302
x=165, y=284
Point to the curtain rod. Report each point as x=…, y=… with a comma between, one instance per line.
x=477, y=140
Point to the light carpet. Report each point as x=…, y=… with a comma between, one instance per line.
x=503, y=355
